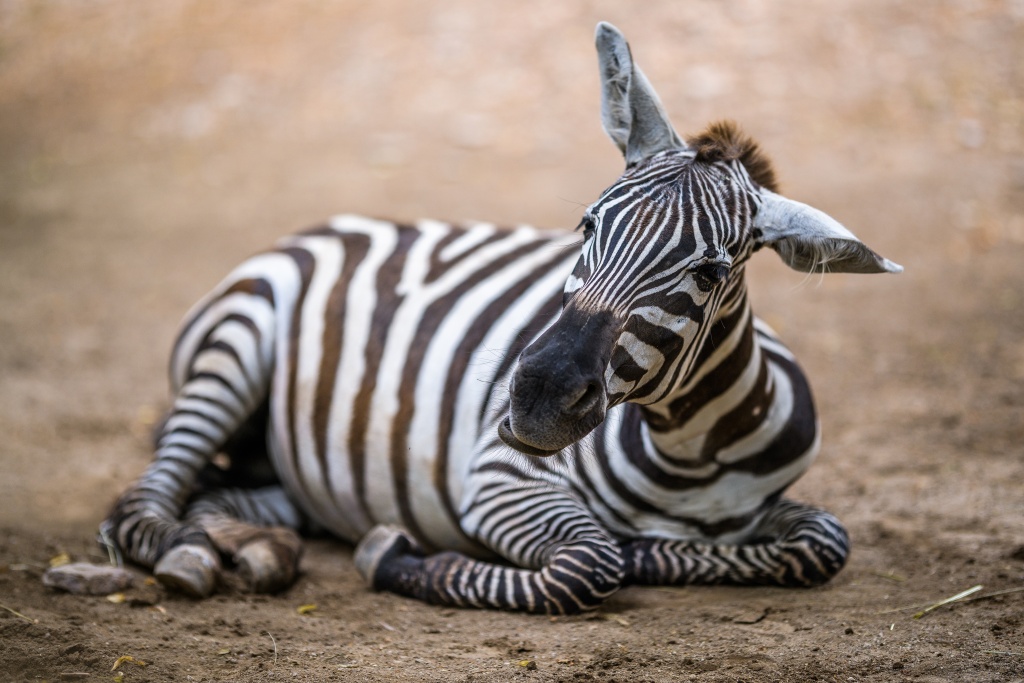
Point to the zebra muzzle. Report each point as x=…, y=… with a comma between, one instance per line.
x=506, y=435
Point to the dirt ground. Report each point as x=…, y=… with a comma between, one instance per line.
x=145, y=148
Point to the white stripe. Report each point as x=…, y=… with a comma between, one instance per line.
x=328, y=255
x=475, y=236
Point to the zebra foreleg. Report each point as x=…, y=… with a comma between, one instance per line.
x=256, y=528
x=579, y=576
x=796, y=546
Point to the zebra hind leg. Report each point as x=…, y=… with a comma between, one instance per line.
x=796, y=546
x=256, y=529
x=146, y=524
x=221, y=369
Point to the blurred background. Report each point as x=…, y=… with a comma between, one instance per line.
x=145, y=148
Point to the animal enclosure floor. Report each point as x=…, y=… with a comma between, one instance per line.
x=148, y=147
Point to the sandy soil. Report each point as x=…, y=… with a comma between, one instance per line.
x=145, y=148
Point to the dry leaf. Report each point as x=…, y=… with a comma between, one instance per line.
x=60, y=560
x=305, y=609
x=127, y=659
x=225, y=651
x=116, y=598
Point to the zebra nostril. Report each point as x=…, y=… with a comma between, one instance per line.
x=585, y=399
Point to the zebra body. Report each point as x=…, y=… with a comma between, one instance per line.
x=350, y=468
x=594, y=413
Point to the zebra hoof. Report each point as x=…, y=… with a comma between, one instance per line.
x=266, y=567
x=190, y=569
x=382, y=544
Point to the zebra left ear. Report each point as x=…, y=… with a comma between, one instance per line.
x=811, y=241
x=630, y=109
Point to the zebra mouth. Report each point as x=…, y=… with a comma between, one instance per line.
x=506, y=435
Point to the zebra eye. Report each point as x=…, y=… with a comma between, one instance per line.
x=587, y=223
x=707, y=275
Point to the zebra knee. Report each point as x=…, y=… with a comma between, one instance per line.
x=814, y=544
x=585, y=574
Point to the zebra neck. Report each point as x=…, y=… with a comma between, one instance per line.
x=728, y=390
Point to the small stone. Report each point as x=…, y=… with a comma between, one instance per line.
x=849, y=631
x=751, y=617
x=82, y=578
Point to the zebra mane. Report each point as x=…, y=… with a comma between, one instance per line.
x=724, y=141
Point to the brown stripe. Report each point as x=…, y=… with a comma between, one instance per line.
x=388, y=301
x=356, y=246
x=306, y=264
x=739, y=422
x=631, y=441
x=798, y=435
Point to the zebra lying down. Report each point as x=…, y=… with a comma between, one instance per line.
x=508, y=418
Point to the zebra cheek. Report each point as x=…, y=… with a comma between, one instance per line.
x=624, y=374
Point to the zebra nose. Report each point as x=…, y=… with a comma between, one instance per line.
x=549, y=411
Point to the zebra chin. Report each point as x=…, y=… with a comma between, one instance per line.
x=547, y=442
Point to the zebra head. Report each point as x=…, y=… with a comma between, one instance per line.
x=663, y=255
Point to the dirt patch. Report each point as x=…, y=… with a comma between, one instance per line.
x=147, y=148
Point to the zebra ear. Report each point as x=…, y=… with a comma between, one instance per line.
x=630, y=109
x=811, y=241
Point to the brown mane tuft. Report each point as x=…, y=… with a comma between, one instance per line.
x=724, y=141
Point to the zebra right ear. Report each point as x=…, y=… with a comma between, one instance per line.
x=630, y=109
x=811, y=241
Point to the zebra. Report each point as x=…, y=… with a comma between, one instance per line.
x=508, y=418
